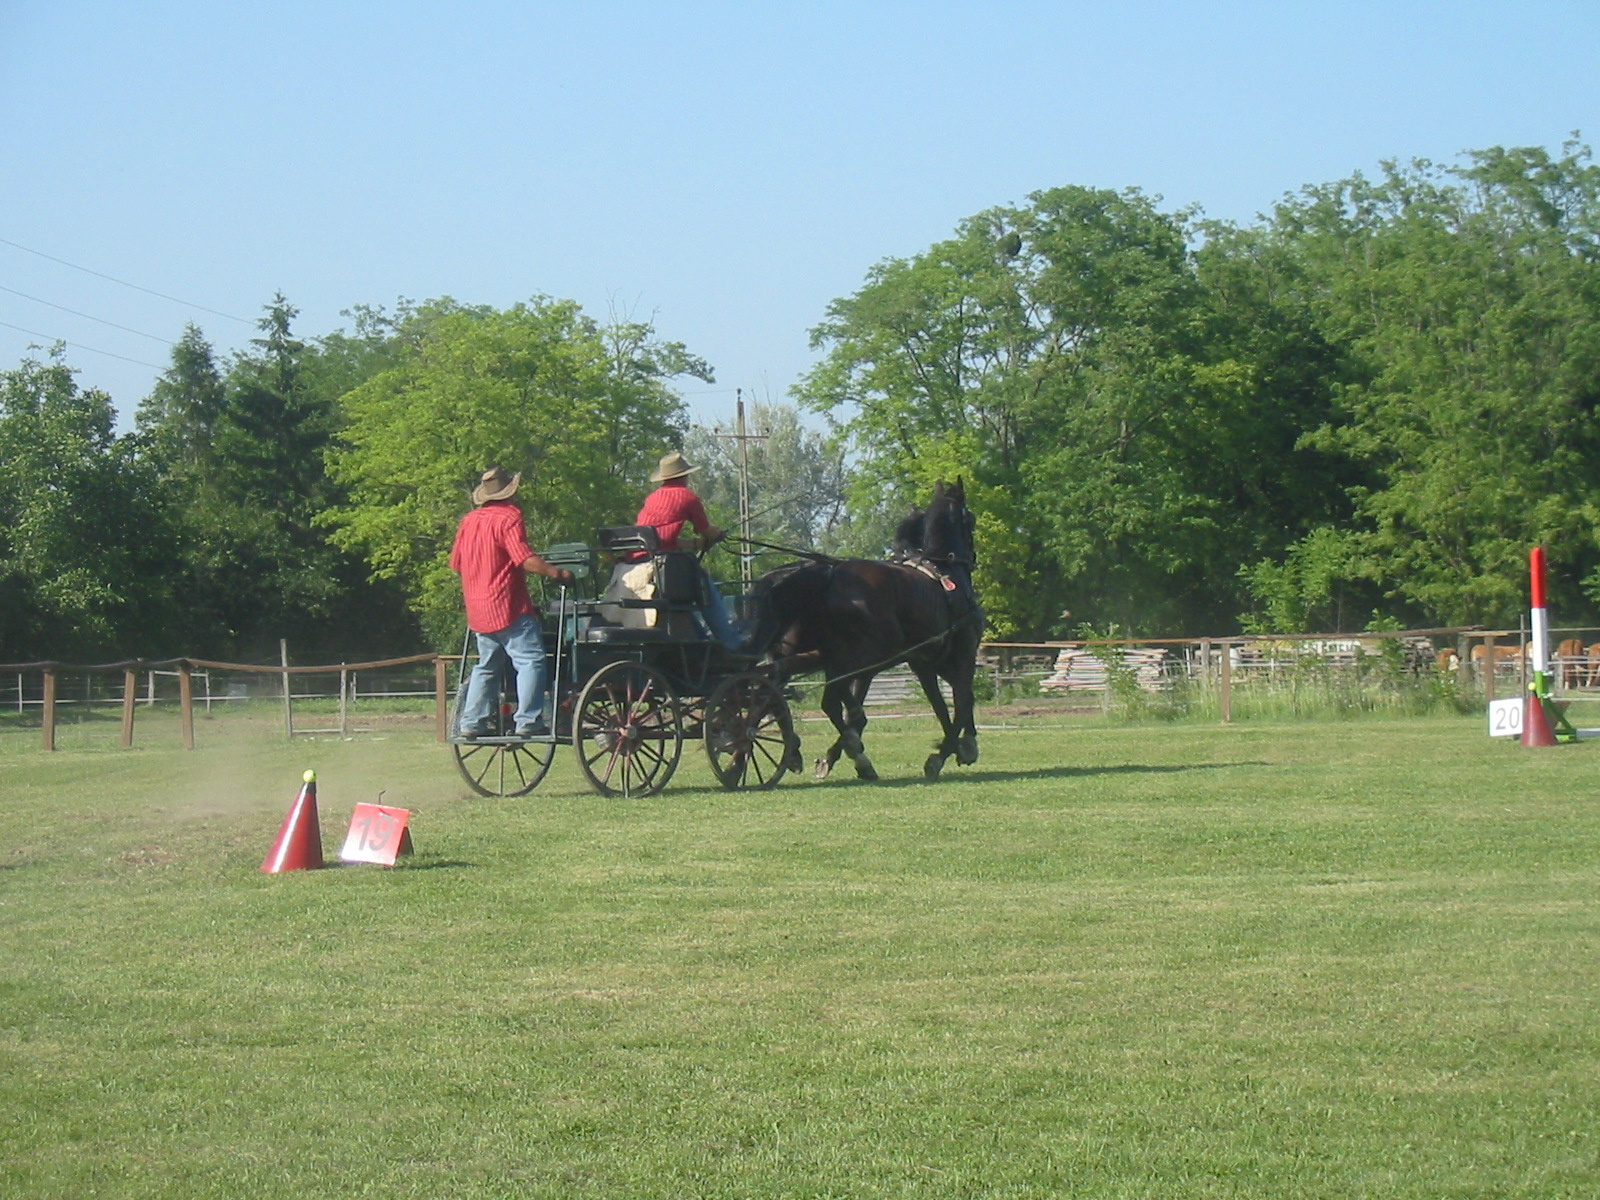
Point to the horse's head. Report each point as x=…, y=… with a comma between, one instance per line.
x=947, y=527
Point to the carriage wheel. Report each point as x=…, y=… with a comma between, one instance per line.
x=503, y=768
x=627, y=732
x=498, y=767
x=748, y=732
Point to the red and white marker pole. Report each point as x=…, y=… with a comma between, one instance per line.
x=1541, y=618
x=1536, y=729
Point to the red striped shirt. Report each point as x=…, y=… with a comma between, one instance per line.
x=669, y=508
x=488, y=554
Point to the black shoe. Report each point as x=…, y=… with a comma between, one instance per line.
x=481, y=730
x=537, y=730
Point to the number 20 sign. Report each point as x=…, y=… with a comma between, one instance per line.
x=378, y=834
x=1505, y=717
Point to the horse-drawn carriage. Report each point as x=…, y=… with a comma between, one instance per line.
x=633, y=676
x=636, y=674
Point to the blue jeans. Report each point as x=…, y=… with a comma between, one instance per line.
x=714, y=615
x=523, y=643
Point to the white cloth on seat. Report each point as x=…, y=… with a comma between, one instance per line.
x=630, y=581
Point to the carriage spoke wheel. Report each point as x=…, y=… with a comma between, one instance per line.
x=627, y=732
x=748, y=732
x=503, y=768
x=498, y=767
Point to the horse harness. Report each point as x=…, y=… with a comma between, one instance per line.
x=955, y=592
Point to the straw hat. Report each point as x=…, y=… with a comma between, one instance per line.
x=495, y=485
x=673, y=466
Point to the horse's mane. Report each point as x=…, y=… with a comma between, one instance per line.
x=909, y=533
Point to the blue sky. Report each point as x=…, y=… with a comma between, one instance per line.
x=725, y=169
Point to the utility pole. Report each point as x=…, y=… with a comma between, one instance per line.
x=743, y=439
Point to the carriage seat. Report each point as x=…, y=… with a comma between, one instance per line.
x=622, y=635
x=650, y=588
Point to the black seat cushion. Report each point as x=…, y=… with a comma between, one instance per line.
x=615, y=635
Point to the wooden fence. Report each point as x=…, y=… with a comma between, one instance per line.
x=185, y=670
x=1486, y=660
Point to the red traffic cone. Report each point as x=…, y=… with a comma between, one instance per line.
x=1535, y=725
x=299, y=843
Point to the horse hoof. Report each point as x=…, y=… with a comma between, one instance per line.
x=821, y=769
x=933, y=766
x=864, y=771
x=967, y=752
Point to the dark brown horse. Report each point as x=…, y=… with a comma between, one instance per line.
x=852, y=618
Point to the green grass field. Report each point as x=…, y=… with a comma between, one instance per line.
x=1355, y=959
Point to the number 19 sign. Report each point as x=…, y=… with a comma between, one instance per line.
x=378, y=834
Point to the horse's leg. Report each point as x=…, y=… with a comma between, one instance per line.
x=929, y=679
x=966, y=721
x=833, y=698
x=780, y=670
x=856, y=718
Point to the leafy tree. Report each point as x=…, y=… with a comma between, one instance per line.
x=180, y=416
x=248, y=479
x=1467, y=299
x=1051, y=356
x=582, y=410
x=84, y=544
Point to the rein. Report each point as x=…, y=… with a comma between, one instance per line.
x=813, y=555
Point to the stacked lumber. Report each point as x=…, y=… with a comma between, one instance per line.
x=1083, y=671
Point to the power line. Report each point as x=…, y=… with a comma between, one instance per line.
x=80, y=346
x=87, y=316
x=124, y=283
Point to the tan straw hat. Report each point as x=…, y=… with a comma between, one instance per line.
x=673, y=466
x=495, y=485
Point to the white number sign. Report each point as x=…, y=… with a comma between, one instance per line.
x=1505, y=717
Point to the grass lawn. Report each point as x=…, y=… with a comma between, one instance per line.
x=1336, y=960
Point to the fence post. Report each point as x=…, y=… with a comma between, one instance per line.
x=1491, y=660
x=49, y=708
x=288, y=704
x=440, y=707
x=130, y=693
x=1225, y=682
x=186, y=705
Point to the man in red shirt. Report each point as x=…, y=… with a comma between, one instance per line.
x=668, y=509
x=492, y=556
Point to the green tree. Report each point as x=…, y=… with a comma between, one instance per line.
x=259, y=570
x=178, y=420
x=84, y=544
x=1467, y=300
x=1053, y=356
x=582, y=410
